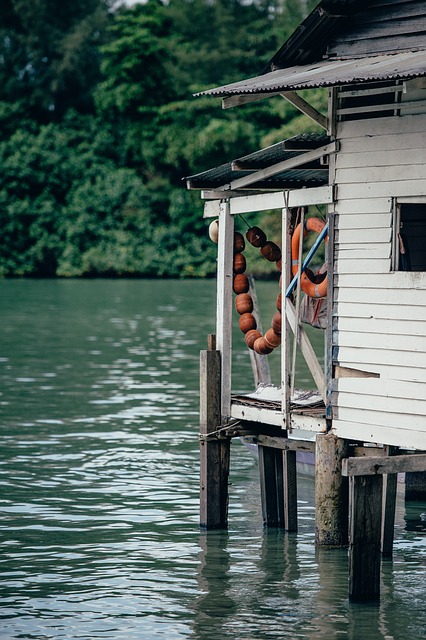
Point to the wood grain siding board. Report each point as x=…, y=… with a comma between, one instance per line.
x=401, y=9
x=388, y=157
x=374, y=325
x=366, y=252
x=390, y=296
x=364, y=413
x=383, y=173
x=379, y=311
x=398, y=280
x=397, y=188
x=356, y=209
x=361, y=130
x=390, y=389
x=369, y=235
x=398, y=42
x=369, y=222
x=377, y=143
x=361, y=357
x=408, y=438
x=361, y=267
x=389, y=342
x=397, y=372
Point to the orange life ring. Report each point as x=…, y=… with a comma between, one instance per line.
x=314, y=285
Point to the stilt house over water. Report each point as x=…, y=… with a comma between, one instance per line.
x=368, y=168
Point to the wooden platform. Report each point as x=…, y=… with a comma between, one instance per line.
x=307, y=409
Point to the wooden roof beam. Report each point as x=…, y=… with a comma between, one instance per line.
x=290, y=96
x=306, y=108
x=290, y=163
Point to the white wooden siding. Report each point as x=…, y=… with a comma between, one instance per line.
x=379, y=317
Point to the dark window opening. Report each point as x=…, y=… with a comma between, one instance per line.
x=372, y=100
x=411, y=237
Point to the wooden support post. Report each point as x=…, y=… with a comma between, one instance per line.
x=271, y=486
x=290, y=490
x=214, y=452
x=331, y=491
x=365, y=534
x=388, y=508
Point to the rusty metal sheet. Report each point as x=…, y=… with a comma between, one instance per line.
x=329, y=73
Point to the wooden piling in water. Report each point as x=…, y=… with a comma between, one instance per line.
x=365, y=537
x=271, y=486
x=388, y=508
x=331, y=491
x=214, y=450
x=290, y=490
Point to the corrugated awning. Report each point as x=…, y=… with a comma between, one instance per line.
x=329, y=73
x=311, y=174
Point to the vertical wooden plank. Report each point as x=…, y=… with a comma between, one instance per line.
x=271, y=486
x=329, y=330
x=214, y=453
x=285, y=329
x=290, y=490
x=224, y=304
x=365, y=534
x=331, y=491
x=388, y=508
x=388, y=515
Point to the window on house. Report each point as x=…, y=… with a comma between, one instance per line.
x=372, y=100
x=410, y=237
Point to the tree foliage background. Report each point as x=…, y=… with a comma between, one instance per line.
x=98, y=127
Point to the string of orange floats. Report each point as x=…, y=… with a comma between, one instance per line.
x=262, y=344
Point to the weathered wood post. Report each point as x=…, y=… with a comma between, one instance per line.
x=214, y=451
x=365, y=537
x=271, y=486
x=290, y=490
x=388, y=507
x=331, y=491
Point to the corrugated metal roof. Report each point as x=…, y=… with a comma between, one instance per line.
x=309, y=175
x=329, y=73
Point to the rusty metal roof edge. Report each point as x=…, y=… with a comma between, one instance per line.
x=308, y=75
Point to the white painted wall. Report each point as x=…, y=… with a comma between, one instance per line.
x=379, y=316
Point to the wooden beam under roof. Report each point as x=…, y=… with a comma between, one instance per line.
x=291, y=96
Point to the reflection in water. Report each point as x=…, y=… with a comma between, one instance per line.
x=99, y=486
x=214, y=606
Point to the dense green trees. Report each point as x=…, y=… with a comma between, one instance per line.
x=98, y=127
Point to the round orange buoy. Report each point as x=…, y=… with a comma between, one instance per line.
x=247, y=322
x=244, y=303
x=272, y=339
x=256, y=237
x=271, y=251
x=239, y=242
x=278, y=303
x=241, y=283
x=276, y=323
x=251, y=336
x=261, y=347
x=239, y=265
